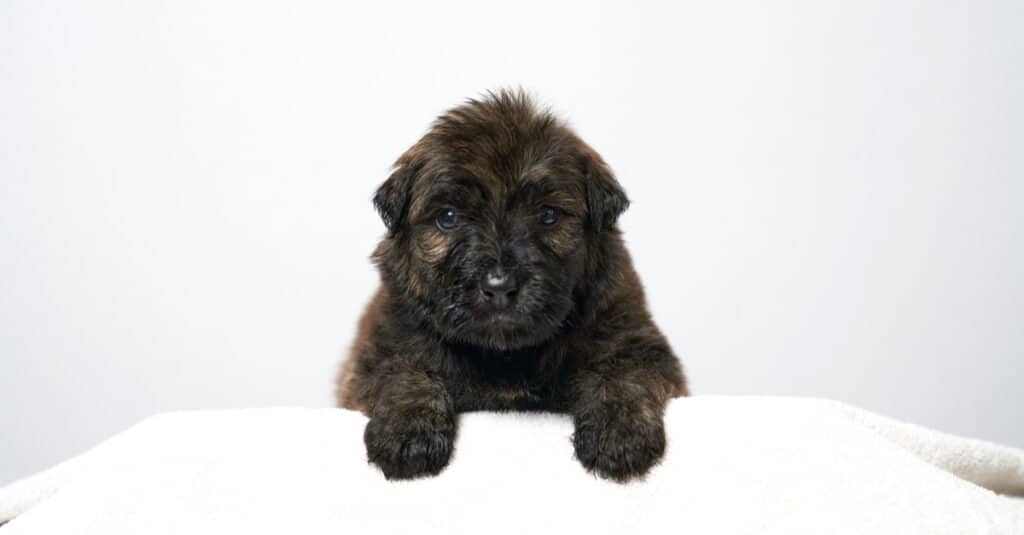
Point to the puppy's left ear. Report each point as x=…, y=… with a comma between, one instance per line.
x=392, y=197
x=605, y=198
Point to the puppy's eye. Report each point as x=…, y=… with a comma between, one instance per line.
x=447, y=220
x=548, y=215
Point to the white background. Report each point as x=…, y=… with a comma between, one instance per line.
x=825, y=193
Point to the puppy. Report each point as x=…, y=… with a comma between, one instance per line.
x=505, y=285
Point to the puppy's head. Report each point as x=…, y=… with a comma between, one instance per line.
x=495, y=219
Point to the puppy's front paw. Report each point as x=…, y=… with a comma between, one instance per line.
x=618, y=444
x=409, y=447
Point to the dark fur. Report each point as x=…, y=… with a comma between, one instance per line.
x=578, y=339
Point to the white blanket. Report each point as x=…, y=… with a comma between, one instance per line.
x=733, y=465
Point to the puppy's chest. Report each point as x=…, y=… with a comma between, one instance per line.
x=502, y=382
x=486, y=397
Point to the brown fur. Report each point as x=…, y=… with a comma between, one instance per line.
x=577, y=337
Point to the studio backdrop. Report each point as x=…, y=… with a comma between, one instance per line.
x=826, y=195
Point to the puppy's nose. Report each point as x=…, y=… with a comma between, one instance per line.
x=498, y=287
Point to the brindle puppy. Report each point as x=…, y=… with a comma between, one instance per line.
x=505, y=285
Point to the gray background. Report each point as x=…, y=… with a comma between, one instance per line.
x=825, y=193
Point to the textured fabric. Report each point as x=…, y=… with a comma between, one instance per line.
x=733, y=465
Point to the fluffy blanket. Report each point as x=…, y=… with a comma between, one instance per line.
x=734, y=465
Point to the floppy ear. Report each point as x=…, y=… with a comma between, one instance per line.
x=605, y=198
x=392, y=197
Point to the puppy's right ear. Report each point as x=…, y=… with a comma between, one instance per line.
x=392, y=198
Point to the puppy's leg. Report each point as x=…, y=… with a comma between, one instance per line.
x=411, y=431
x=618, y=397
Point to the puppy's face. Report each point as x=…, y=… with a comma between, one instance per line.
x=494, y=219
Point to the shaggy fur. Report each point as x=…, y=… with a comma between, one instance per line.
x=499, y=190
